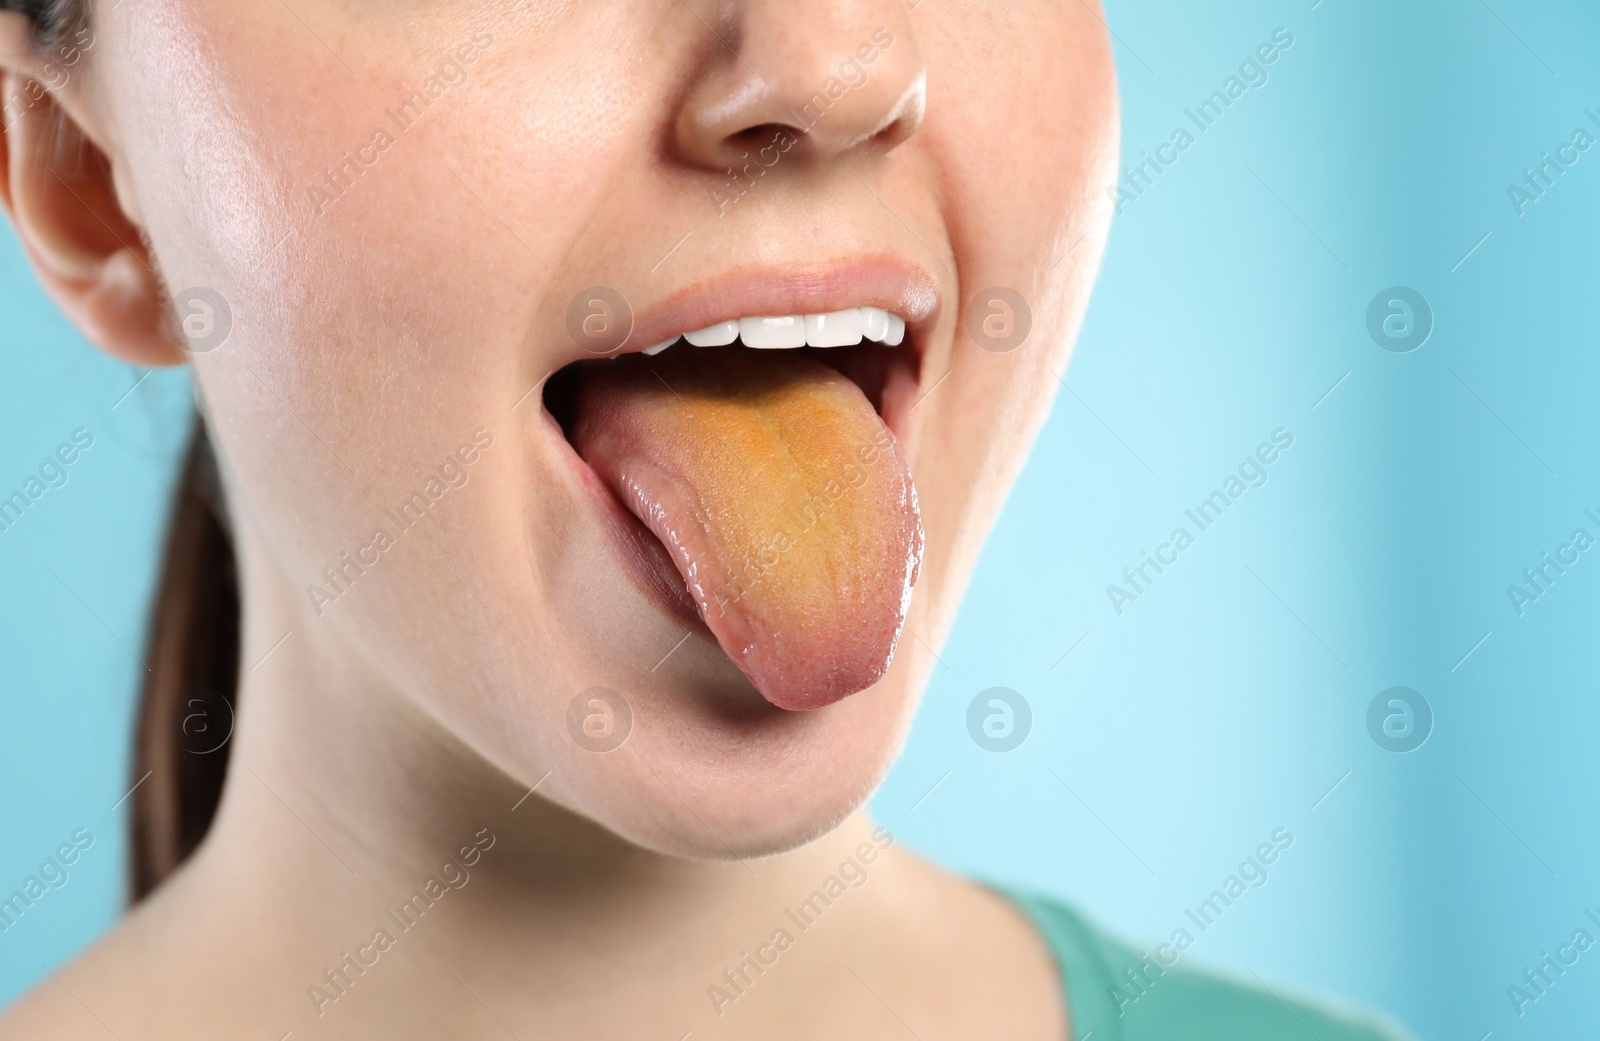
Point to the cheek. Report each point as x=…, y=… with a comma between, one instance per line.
x=1024, y=139
x=382, y=254
x=384, y=258
x=1024, y=133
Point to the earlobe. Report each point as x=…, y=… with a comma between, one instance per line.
x=58, y=189
x=123, y=312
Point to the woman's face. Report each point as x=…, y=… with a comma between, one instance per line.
x=408, y=207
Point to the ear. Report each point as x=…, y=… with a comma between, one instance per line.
x=58, y=188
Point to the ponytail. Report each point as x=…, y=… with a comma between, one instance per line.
x=186, y=709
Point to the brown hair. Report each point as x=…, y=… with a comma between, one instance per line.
x=186, y=708
x=53, y=20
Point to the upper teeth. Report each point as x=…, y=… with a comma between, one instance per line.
x=831, y=329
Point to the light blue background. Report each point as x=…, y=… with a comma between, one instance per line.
x=1231, y=697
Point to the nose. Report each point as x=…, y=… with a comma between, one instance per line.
x=839, y=76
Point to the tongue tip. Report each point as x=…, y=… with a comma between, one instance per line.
x=818, y=684
x=791, y=700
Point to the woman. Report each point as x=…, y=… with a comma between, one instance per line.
x=603, y=404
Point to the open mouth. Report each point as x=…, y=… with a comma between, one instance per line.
x=758, y=490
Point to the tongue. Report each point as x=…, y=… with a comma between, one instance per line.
x=779, y=495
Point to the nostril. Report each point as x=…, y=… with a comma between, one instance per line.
x=905, y=121
x=815, y=89
x=763, y=131
x=890, y=136
x=761, y=134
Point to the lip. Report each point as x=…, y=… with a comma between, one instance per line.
x=879, y=281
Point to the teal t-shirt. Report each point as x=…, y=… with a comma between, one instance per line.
x=1117, y=993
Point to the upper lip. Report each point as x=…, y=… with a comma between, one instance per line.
x=814, y=288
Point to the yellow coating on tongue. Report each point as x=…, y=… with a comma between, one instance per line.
x=780, y=496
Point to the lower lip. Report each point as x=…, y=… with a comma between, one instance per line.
x=651, y=573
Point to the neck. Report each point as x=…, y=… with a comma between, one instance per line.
x=368, y=847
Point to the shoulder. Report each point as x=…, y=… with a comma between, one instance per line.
x=48, y=1012
x=111, y=987
x=1142, y=994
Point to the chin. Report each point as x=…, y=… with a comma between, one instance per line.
x=726, y=541
x=696, y=780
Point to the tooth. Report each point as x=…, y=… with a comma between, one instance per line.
x=658, y=348
x=834, y=329
x=719, y=335
x=774, y=331
x=897, y=330
x=874, y=323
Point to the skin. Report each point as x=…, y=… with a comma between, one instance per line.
x=372, y=339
